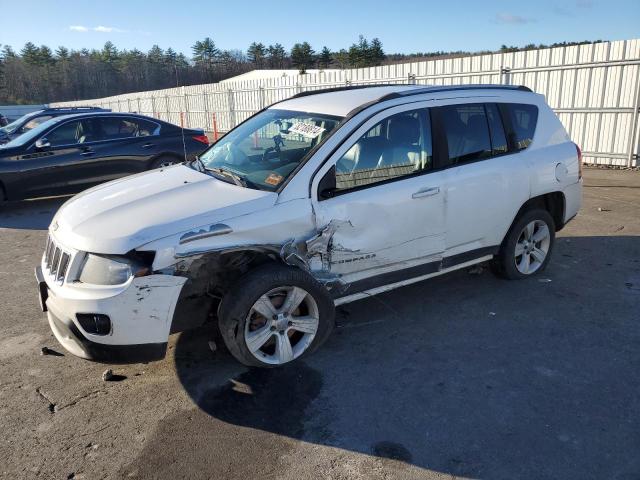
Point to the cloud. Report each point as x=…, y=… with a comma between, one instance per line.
x=103, y=29
x=509, y=19
x=78, y=28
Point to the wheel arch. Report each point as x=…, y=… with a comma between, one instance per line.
x=552, y=202
x=210, y=277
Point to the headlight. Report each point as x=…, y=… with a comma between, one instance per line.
x=111, y=270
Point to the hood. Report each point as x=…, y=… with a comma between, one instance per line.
x=116, y=217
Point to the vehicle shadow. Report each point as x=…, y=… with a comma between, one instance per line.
x=30, y=214
x=465, y=374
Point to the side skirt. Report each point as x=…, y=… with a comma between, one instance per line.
x=391, y=286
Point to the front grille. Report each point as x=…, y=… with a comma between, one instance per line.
x=56, y=260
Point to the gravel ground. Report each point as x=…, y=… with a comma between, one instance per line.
x=461, y=376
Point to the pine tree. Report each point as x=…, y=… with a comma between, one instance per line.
x=256, y=53
x=325, y=58
x=302, y=56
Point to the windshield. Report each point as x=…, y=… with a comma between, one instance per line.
x=263, y=151
x=13, y=126
x=33, y=133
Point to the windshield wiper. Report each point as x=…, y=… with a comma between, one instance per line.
x=234, y=177
x=198, y=160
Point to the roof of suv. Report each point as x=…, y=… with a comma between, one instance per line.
x=344, y=100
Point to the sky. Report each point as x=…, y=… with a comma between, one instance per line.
x=404, y=26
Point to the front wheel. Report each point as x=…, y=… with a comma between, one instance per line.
x=274, y=315
x=527, y=248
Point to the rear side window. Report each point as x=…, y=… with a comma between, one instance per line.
x=113, y=128
x=523, y=118
x=466, y=131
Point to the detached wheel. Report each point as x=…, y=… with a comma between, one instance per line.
x=527, y=248
x=274, y=315
x=164, y=162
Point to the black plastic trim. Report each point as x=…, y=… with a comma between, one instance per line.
x=416, y=271
x=99, y=352
x=345, y=88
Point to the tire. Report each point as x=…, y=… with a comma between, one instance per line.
x=258, y=341
x=532, y=244
x=164, y=161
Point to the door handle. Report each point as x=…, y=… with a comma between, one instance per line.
x=147, y=145
x=86, y=152
x=426, y=192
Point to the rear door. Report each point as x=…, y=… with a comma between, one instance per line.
x=127, y=145
x=487, y=180
x=386, y=213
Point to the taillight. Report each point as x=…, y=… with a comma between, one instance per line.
x=201, y=138
x=579, y=160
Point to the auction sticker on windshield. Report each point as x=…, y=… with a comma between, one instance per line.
x=273, y=179
x=306, y=130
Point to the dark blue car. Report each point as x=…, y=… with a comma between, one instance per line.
x=70, y=153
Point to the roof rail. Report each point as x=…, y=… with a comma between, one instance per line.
x=448, y=88
x=417, y=90
x=87, y=107
x=346, y=87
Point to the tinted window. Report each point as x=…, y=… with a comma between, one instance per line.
x=113, y=128
x=467, y=132
x=498, y=137
x=523, y=120
x=66, y=134
x=399, y=145
x=69, y=133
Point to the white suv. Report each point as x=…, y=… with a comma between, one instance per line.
x=318, y=200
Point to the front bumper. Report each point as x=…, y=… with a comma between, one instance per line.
x=140, y=311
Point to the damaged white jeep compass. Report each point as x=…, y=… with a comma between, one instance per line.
x=318, y=200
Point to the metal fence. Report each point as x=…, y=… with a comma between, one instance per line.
x=594, y=89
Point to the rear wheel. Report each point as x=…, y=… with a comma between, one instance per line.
x=527, y=248
x=274, y=315
x=164, y=162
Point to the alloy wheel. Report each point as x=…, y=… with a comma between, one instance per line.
x=281, y=325
x=532, y=247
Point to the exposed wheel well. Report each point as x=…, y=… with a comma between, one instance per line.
x=3, y=192
x=210, y=277
x=553, y=202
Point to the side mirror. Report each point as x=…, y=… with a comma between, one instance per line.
x=327, y=185
x=42, y=143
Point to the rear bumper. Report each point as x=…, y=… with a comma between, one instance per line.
x=140, y=313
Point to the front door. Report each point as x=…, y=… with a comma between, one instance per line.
x=59, y=168
x=386, y=212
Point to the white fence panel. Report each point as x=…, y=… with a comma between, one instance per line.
x=594, y=89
